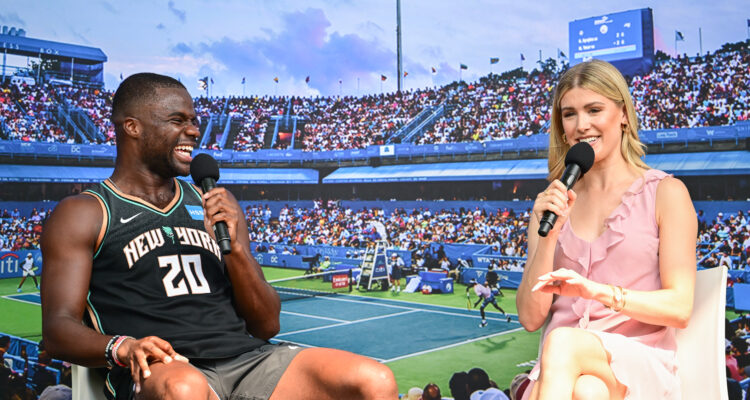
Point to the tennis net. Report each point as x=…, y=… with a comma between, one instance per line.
x=312, y=285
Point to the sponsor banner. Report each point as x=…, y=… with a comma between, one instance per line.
x=340, y=281
x=11, y=261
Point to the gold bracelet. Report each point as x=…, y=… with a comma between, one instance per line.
x=619, y=297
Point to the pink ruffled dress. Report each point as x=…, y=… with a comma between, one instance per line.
x=626, y=254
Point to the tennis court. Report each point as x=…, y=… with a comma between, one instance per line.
x=384, y=329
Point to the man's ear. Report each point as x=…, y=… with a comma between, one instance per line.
x=132, y=127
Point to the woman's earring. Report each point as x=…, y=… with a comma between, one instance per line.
x=564, y=139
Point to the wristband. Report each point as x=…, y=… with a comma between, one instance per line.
x=116, y=346
x=618, y=298
x=108, y=351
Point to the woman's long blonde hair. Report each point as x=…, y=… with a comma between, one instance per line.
x=603, y=78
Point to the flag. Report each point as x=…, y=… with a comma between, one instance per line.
x=405, y=73
x=748, y=22
x=678, y=36
x=276, y=79
x=383, y=78
x=463, y=66
x=340, y=81
x=212, y=81
x=494, y=60
x=120, y=75
x=307, y=80
x=434, y=71
x=203, y=83
x=522, y=57
x=561, y=54
x=243, y=80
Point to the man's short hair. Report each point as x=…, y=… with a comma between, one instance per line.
x=138, y=89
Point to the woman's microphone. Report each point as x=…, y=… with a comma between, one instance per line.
x=578, y=161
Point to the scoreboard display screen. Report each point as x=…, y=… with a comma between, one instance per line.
x=612, y=37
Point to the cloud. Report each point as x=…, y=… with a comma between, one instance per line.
x=181, y=48
x=12, y=19
x=80, y=36
x=160, y=26
x=177, y=12
x=302, y=47
x=108, y=7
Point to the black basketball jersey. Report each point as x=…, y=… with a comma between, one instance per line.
x=157, y=272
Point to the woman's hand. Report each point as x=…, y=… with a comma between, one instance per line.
x=557, y=199
x=566, y=282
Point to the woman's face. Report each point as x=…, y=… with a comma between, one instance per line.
x=587, y=116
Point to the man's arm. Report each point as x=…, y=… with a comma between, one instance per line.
x=68, y=241
x=256, y=301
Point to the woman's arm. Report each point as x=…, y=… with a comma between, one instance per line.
x=533, y=306
x=678, y=230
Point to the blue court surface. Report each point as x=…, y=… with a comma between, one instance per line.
x=383, y=329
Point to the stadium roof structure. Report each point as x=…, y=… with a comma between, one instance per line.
x=24, y=46
x=680, y=164
x=73, y=174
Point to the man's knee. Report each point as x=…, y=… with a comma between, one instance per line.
x=589, y=387
x=184, y=384
x=376, y=381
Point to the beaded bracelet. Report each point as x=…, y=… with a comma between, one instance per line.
x=120, y=340
x=108, y=351
x=618, y=298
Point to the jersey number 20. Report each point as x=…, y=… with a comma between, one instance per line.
x=190, y=265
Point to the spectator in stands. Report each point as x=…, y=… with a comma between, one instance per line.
x=431, y=392
x=481, y=388
x=42, y=376
x=459, y=385
x=733, y=387
x=612, y=331
x=155, y=121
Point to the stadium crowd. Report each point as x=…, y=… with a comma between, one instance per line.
x=681, y=92
x=333, y=225
x=21, y=232
x=494, y=109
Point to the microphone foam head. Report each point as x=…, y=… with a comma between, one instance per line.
x=204, y=166
x=581, y=154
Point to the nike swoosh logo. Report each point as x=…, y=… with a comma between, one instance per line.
x=126, y=220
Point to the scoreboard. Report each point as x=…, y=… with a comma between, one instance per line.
x=627, y=35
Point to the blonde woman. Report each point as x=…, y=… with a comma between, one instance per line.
x=615, y=275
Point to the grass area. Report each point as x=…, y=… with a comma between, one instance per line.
x=20, y=319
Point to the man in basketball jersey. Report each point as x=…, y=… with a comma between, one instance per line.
x=28, y=270
x=135, y=258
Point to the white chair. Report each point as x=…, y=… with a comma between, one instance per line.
x=88, y=384
x=700, y=346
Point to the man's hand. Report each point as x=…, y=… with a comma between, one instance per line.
x=139, y=353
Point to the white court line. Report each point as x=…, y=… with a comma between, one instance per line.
x=347, y=323
x=448, y=346
x=313, y=316
x=452, y=313
x=10, y=297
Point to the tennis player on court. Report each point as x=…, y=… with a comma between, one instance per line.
x=28, y=270
x=487, y=295
x=170, y=315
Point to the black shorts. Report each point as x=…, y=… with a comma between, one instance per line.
x=251, y=375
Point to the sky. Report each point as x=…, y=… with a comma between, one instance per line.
x=345, y=46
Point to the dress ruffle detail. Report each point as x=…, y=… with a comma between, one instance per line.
x=579, y=250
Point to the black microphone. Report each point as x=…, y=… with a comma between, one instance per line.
x=205, y=172
x=578, y=161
